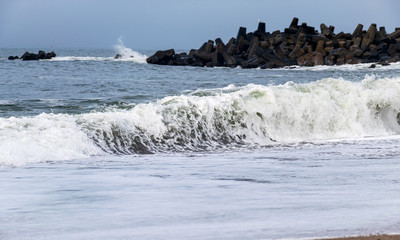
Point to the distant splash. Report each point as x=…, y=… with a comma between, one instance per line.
x=205, y=120
x=128, y=55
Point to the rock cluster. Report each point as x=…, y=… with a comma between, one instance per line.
x=32, y=56
x=296, y=45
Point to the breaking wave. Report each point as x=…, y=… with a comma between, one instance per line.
x=126, y=55
x=253, y=115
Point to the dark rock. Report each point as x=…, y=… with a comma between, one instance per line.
x=306, y=29
x=325, y=31
x=241, y=33
x=297, y=45
x=253, y=47
x=357, y=41
x=341, y=43
x=203, y=47
x=41, y=55
x=232, y=49
x=328, y=49
x=182, y=59
x=13, y=57
x=316, y=38
x=27, y=56
x=271, y=60
x=382, y=30
x=394, y=34
x=284, y=48
x=294, y=23
x=369, y=37
x=249, y=36
x=229, y=60
x=204, y=56
x=161, y=57
x=372, y=55
x=50, y=55
x=218, y=40
x=118, y=56
x=355, y=61
x=296, y=52
x=392, y=49
x=358, y=31
x=348, y=44
x=320, y=47
x=243, y=45
x=339, y=52
x=307, y=48
x=209, y=46
x=230, y=42
x=358, y=52
x=301, y=38
x=217, y=56
x=290, y=31
x=340, y=61
x=329, y=44
x=339, y=36
x=311, y=59
x=261, y=27
x=253, y=63
x=395, y=57
x=372, y=66
x=380, y=35
x=264, y=45
x=209, y=64
x=330, y=60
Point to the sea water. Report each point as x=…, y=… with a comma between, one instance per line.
x=93, y=147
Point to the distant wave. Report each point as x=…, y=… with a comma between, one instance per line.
x=346, y=67
x=127, y=55
x=252, y=115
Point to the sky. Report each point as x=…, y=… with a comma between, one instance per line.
x=179, y=24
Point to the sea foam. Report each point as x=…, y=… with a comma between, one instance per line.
x=127, y=55
x=253, y=115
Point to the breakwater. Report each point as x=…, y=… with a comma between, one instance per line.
x=299, y=44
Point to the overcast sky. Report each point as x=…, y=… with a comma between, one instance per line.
x=179, y=24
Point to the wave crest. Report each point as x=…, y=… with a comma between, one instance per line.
x=252, y=115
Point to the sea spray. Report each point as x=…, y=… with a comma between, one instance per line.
x=129, y=54
x=209, y=119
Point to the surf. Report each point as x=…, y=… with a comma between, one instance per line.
x=211, y=119
x=126, y=55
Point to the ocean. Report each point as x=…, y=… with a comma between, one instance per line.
x=93, y=147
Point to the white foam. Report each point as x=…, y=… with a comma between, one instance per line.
x=208, y=119
x=46, y=137
x=346, y=67
x=128, y=54
x=326, y=109
x=86, y=58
